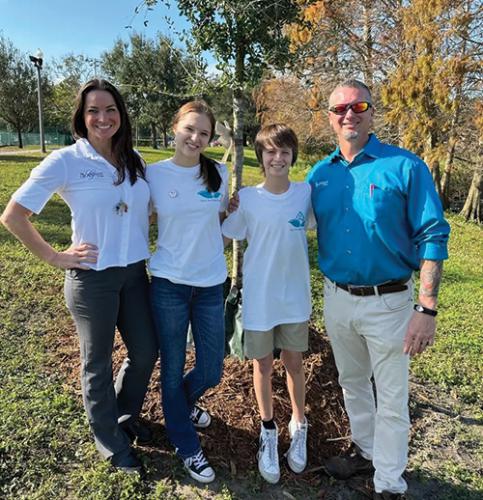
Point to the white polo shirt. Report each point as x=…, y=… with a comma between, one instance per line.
x=189, y=249
x=276, y=273
x=113, y=217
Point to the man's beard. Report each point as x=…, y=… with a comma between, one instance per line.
x=351, y=135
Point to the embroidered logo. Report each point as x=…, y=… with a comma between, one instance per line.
x=208, y=195
x=321, y=183
x=90, y=174
x=299, y=220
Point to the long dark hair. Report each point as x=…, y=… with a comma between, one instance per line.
x=122, y=147
x=208, y=171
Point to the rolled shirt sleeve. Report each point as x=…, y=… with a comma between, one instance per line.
x=430, y=231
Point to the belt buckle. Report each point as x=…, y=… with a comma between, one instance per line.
x=356, y=290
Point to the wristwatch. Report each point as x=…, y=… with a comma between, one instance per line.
x=421, y=309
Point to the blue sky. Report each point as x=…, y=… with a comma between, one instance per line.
x=89, y=27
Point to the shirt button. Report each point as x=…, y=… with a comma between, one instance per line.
x=347, y=230
x=347, y=187
x=346, y=209
x=349, y=252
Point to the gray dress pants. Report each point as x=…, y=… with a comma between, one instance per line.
x=99, y=301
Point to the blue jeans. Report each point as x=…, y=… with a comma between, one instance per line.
x=174, y=306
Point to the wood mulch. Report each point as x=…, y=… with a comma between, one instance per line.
x=231, y=441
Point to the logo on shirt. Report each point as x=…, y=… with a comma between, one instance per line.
x=299, y=221
x=208, y=195
x=321, y=184
x=91, y=174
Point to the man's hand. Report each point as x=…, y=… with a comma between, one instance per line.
x=76, y=256
x=420, y=333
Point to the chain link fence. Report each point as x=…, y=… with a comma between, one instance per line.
x=32, y=138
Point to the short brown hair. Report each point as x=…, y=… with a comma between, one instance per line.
x=352, y=83
x=276, y=134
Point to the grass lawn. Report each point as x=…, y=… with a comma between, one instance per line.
x=45, y=447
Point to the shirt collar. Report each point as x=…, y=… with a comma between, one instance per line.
x=372, y=149
x=88, y=151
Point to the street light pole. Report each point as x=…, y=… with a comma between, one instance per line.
x=38, y=60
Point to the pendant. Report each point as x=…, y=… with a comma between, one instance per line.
x=121, y=208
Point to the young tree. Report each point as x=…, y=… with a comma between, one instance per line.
x=245, y=38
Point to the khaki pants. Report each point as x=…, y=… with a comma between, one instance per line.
x=366, y=334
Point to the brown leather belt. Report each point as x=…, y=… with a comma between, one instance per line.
x=363, y=291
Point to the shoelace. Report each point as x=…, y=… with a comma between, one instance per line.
x=299, y=439
x=271, y=443
x=196, y=414
x=199, y=460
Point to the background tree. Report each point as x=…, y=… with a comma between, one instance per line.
x=472, y=207
x=305, y=111
x=424, y=93
x=155, y=76
x=18, y=90
x=69, y=73
x=423, y=59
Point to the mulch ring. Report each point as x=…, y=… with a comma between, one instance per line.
x=231, y=441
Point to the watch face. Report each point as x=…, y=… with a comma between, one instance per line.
x=419, y=308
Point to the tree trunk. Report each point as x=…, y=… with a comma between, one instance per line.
x=433, y=163
x=448, y=166
x=154, y=136
x=19, y=135
x=165, y=138
x=471, y=208
x=368, y=43
x=237, y=153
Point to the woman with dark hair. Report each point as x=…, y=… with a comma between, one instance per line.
x=102, y=181
x=189, y=193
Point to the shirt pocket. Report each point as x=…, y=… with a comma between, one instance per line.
x=379, y=203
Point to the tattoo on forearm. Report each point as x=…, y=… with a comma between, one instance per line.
x=430, y=277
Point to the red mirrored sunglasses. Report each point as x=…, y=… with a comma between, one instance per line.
x=357, y=107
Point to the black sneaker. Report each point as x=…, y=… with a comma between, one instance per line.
x=201, y=418
x=387, y=495
x=348, y=465
x=199, y=468
x=128, y=463
x=137, y=432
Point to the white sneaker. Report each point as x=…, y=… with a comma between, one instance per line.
x=199, y=468
x=201, y=418
x=268, y=455
x=297, y=453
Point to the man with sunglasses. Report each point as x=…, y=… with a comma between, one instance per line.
x=379, y=219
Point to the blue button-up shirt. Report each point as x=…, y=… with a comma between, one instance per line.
x=377, y=216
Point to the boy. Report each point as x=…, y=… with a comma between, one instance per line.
x=276, y=282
